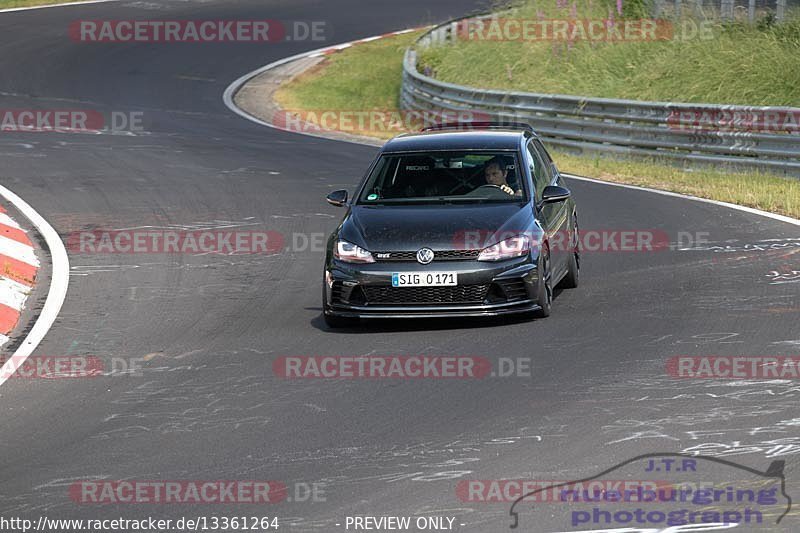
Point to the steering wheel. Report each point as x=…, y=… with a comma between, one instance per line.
x=497, y=191
x=489, y=190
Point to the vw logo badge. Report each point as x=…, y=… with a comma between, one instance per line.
x=425, y=256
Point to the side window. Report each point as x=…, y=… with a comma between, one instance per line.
x=539, y=170
x=542, y=150
x=546, y=158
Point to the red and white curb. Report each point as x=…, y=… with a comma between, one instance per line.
x=338, y=47
x=18, y=268
x=19, y=275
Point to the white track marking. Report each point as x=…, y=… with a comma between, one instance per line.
x=59, y=283
x=17, y=250
x=233, y=88
x=752, y=211
x=47, y=6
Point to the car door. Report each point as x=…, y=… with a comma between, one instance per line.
x=553, y=217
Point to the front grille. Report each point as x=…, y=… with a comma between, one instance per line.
x=461, y=294
x=441, y=255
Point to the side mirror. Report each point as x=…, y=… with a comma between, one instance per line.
x=554, y=193
x=337, y=198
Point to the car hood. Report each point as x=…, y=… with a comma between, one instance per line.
x=449, y=227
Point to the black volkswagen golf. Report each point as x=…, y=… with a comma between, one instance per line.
x=453, y=221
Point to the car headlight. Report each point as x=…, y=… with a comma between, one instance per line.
x=350, y=253
x=507, y=249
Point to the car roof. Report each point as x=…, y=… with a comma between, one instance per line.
x=494, y=139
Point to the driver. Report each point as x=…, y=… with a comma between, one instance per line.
x=495, y=173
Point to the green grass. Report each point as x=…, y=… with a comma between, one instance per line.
x=752, y=189
x=741, y=64
x=5, y=4
x=367, y=76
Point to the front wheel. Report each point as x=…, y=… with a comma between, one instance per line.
x=545, y=283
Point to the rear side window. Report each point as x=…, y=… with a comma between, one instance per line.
x=540, y=170
x=552, y=166
x=545, y=156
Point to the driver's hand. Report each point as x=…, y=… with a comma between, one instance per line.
x=506, y=189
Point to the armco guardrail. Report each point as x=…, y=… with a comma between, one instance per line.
x=689, y=132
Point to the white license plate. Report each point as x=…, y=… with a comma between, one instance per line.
x=424, y=279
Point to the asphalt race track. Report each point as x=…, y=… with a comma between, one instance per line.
x=206, y=404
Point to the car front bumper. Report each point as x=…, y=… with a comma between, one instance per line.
x=484, y=289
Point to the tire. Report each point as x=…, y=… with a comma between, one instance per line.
x=573, y=275
x=336, y=322
x=545, y=291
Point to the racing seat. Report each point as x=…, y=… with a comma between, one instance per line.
x=416, y=177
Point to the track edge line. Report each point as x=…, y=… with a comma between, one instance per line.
x=737, y=207
x=59, y=283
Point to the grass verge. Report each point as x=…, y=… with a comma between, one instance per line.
x=752, y=189
x=363, y=77
x=692, y=60
x=367, y=77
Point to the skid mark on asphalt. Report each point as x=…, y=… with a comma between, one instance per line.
x=87, y=270
x=780, y=277
x=733, y=246
x=223, y=261
x=795, y=342
x=693, y=420
x=196, y=226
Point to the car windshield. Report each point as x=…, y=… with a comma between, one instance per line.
x=444, y=178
